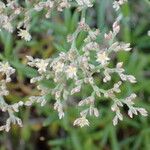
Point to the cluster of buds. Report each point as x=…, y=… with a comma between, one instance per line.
x=132, y=110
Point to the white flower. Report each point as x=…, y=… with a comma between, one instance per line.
x=2, y=6
x=93, y=112
x=81, y=122
x=6, y=69
x=116, y=87
x=71, y=71
x=63, y=4
x=148, y=33
x=116, y=27
x=125, y=46
x=116, y=5
x=24, y=34
x=117, y=117
x=131, y=78
x=102, y=58
x=58, y=67
x=108, y=36
x=75, y=90
x=58, y=106
x=42, y=65
x=142, y=111
x=121, y=2
x=7, y=26
x=88, y=3
x=86, y=101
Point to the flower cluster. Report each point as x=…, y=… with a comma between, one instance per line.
x=6, y=71
x=78, y=66
x=18, y=15
x=71, y=71
x=5, y=77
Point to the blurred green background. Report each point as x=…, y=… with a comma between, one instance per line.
x=42, y=129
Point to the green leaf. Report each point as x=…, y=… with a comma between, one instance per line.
x=25, y=70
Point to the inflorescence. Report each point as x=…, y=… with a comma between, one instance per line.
x=70, y=71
